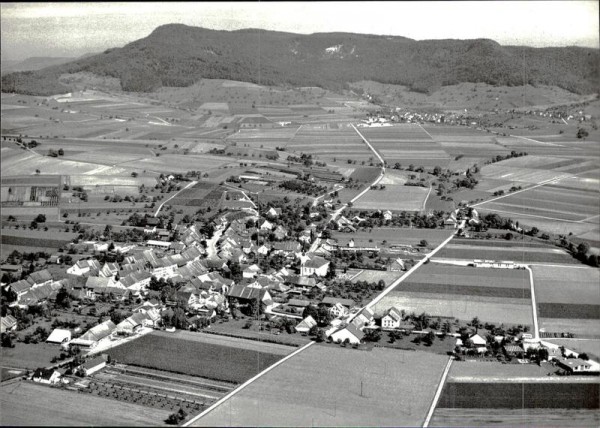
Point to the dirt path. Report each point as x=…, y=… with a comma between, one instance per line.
x=190, y=184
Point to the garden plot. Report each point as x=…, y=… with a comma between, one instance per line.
x=521, y=254
x=581, y=328
x=402, y=132
x=394, y=197
x=392, y=236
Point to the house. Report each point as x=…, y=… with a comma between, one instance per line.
x=338, y=310
x=136, y=281
x=14, y=270
x=39, y=278
x=578, y=366
x=476, y=340
x=273, y=212
x=266, y=225
x=363, y=318
x=387, y=215
x=47, y=376
x=350, y=333
x=92, y=366
x=306, y=324
x=330, y=301
x=245, y=294
x=59, y=336
x=396, y=265
x=514, y=351
x=83, y=267
x=97, y=284
x=158, y=244
x=109, y=270
x=263, y=250
x=316, y=265
x=20, y=287
x=286, y=247
x=55, y=259
x=8, y=323
x=133, y=324
x=280, y=233
x=392, y=318
x=251, y=271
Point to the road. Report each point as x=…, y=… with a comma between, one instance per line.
x=438, y=392
x=536, y=329
x=211, y=244
x=541, y=183
x=190, y=184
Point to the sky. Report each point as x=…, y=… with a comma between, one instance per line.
x=74, y=29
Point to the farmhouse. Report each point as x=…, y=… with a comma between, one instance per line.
x=333, y=301
x=47, y=376
x=158, y=244
x=396, y=265
x=392, y=318
x=245, y=294
x=349, y=333
x=39, y=278
x=306, y=324
x=19, y=287
x=15, y=270
x=578, y=366
x=59, y=336
x=94, y=335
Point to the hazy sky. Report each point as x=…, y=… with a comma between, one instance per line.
x=72, y=29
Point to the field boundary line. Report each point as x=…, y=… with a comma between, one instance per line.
x=426, y=197
x=533, y=305
x=245, y=384
x=186, y=187
x=425, y=131
x=536, y=141
x=369, y=144
x=438, y=392
x=540, y=184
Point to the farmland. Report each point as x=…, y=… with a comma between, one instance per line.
x=394, y=198
x=29, y=356
x=28, y=403
x=460, y=417
x=492, y=295
x=392, y=236
x=194, y=357
x=302, y=393
x=487, y=250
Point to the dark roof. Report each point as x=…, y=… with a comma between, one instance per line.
x=298, y=302
x=333, y=300
x=244, y=292
x=94, y=362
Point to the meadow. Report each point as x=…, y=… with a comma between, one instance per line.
x=394, y=197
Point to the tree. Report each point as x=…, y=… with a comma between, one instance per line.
x=62, y=298
x=582, y=133
x=437, y=170
x=61, y=152
x=312, y=311
x=424, y=243
x=582, y=249
x=475, y=323
x=41, y=218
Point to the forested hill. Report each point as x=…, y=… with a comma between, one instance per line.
x=179, y=55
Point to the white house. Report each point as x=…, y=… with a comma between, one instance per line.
x=338, y=310
x=577, y=365
x=266, y=225
x=316, y=265
x=47, y=376
x=392, y=318
x=84, y=266
x=477, y=341
x=350, y=333
x=387, y=215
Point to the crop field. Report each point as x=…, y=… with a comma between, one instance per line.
x=462, y=307
x=365, y=174
x=392, y=236
x=467, y=281
x=394, y=197
x=302, y=393
x=589, y=346
x=268, y=138
x=179, y=354
x=462, y=417
x=175, y=163
x=32, y=404
x=521, y=395
x=568, y=286
x=520, y=254
x=329, y=144
x=196, y=195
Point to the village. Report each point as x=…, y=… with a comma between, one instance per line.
x=258, y=276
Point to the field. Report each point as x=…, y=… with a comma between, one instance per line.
x=446, y=417
x=492, y=295
x=392, y=236
x=568, y=299
x=467, y=281
x=301, y=392
x=394, y=197
x=377, y=275
x=197, y=355
x=521, y=395
x=29, y=356
x=487, y=250
x=26, y=403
